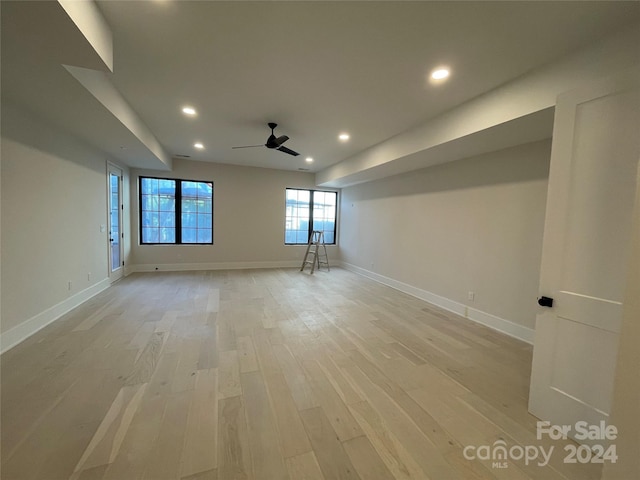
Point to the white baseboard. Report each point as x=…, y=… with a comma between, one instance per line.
x=185, y=267
x=17, y=334
x=496, y=323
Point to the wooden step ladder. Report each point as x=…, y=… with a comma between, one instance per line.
x=316, y=240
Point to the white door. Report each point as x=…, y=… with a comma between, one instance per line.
x=116, y=235
x=586, y=246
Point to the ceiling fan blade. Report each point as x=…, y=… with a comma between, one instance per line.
x=250, y=146
x=280, y=140
x=288, y=150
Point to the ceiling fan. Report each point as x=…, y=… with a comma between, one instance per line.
x=274, y=142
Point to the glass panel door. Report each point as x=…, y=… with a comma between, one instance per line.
x=115, y=223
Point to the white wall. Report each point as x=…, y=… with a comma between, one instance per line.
x=54, y=199
x=470, y=225
x=248, y=223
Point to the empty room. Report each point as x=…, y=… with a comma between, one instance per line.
x=318, y=240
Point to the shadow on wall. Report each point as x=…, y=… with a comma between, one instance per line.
x=26, y=129
x=506, y=166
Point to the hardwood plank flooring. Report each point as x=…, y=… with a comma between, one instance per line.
x=266, y=375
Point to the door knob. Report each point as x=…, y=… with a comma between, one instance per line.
x=545, y=302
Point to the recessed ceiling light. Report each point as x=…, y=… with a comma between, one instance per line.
x=198, y=145
x=308, y=159
x=344, y=137
x=440, y=73
x=189, y=111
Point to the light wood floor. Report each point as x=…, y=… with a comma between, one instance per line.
x=266, y=375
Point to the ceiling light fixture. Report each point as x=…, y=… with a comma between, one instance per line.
x=308, y=159
x=198, y=145
x=439, y=74
x=344, y=137
x=189, y=111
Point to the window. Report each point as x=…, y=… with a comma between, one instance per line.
x=309, y=210
x=175, y=211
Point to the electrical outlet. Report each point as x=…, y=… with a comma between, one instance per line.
x=88, y=276
x=69, y=285
x=471, y=296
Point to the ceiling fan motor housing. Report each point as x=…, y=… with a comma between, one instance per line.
x=271, y=141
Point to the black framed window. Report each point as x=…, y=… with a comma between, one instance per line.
x=174, y=211
x=309, y=210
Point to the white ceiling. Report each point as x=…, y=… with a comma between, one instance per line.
x=315, y=68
